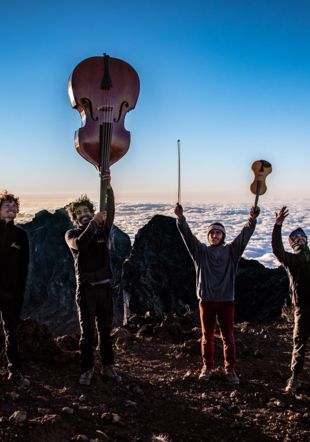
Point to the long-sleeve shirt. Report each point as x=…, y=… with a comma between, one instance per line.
x=215, y=266
x=89, y=246
x=297, y=266
x=14, y=260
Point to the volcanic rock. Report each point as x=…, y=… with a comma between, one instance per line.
x=50, y=292
x=159, y=277
x=158, y=274
x=156, y=277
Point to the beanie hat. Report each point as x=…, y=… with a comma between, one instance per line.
x=293, y=235
x=217, y=226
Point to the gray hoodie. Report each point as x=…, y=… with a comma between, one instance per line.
x=216, y=266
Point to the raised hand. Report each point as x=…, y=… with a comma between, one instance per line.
x=254, y=212
x=100, y=218
x=280, y=216
x=178, y=211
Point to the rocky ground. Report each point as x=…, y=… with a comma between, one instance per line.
x=160, y=397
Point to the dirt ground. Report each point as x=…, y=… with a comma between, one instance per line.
x=160, y=397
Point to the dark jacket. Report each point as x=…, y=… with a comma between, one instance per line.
x=14, y=260
x=90, y=248
x=216, y=267
x=297, y=266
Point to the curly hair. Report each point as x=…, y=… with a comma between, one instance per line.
x=6, y=196
x=83, y=200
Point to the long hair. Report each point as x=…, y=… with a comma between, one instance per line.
x=83, y=200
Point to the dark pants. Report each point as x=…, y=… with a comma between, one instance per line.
x=300, y=337
x=10, y=321
x=224, y=312
x=95, y=308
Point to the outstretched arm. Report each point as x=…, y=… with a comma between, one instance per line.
x=277, y=244
x=239, y=244
x=110, y=207
x=105, y=219
x=192, y=243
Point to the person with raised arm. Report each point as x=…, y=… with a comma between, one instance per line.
x=216, y=266
x=89, y=244
x=297, y=266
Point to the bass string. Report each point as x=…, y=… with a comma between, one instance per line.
x=107, y=132
x=109, y=127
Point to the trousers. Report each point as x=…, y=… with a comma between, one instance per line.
x=300, y=337
x=10, y=321
x=224, y=313
x=95, y=309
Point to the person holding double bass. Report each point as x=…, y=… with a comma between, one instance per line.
x=216, y=266
x=102, y=89
x=297, y=266
x=89, y=244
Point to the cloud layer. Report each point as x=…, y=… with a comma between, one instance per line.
x=131, y=217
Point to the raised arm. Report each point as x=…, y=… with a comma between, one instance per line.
x=239, y=244
x=110, y=209
x=192, y=243
x=277, y=244
x=107, y=221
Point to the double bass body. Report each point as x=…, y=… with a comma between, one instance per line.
x=103, y=90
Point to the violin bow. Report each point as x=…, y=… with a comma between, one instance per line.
x=179, y=171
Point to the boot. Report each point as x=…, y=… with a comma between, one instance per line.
x=18, y=378
x=293, y=384
x=86, y=377
x=108, y=372
x=232, y=378
x=205, y=374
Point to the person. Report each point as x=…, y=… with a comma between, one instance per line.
x=297, y=266
x=89, y=243
x=14, y=259
x=216, y=267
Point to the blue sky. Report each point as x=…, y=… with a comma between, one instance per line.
x=231, y=79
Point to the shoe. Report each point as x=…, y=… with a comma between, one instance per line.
x=86, y=377
x=232, y=378
x=205, y=374
x=18, y=378
x=108, y=372
x=293, y=384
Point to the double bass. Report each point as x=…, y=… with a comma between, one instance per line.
x=103, y=89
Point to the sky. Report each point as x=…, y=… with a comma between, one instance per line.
x=230, y=79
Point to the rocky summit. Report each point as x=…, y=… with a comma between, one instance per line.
x=160, y=397
x=154, y=275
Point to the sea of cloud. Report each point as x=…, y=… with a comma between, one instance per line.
x=131, y=217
